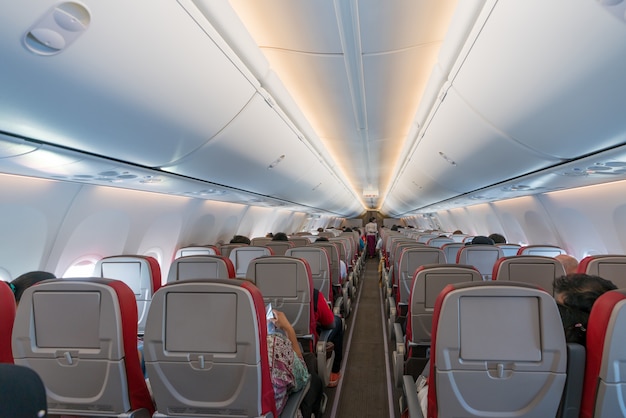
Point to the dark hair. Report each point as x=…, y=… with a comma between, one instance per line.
x=498, y=238
x=480, y=239
x=280, y=236
x=322, y=239
x=457, y=232
x=240, y=239
x=574, y=324
x=26, y=280
x=580, y=291
x=348, y=229
x=320, y=229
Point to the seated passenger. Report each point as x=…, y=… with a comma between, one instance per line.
x=575, y=295
x=570, y=264
x=288, y=370
x=481, y=239
x=325, y=319
x=498, y=238
x=240, y=239
x=26, y=280
x=280, y=236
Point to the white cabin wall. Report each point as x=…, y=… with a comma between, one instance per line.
x=521, y=221
x=31, y=211
x=583, y=221
x=51, y=225
x=591, y=220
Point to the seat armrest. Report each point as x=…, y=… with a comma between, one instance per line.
x=410, y=397
x=324, y=362
x=572, y=393
x=294, y=400
x=398, y=336
x=398, y=355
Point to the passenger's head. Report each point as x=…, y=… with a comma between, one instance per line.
x=320, y=229
x=498, y=238
x=347, y=229
x=280, y=236
x=269, y=235
x=322, y=239
x=394, y=227
x=480, y=239
x=570, y=264
x=240, y=239
x=580, y=291
x=26, y=280
x=457, y=232
x=575, y=295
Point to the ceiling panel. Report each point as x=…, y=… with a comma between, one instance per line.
x=561, y=66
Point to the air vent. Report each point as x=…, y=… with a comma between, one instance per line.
x=57, y=29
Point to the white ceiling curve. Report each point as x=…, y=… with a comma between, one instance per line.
x=334, y=106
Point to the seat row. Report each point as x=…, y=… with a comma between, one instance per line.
x=498, y=349
x=72, y=330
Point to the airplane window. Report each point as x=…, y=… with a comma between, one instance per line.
x=83, y=267
x=156, y=253
x=5, y=275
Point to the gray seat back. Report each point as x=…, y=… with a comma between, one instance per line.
x=141, y=273
x=196, y=250
x=279, y=247
x=535, y=269
x=319, y=265
x=343, y=246
x=241, y=257
x=483, y=257
x=299, y=241
x=333, y=253
x=498, y=350
x=451, y=251
x=200, y=267
x=411, y=259
x=217, y=362
x=225, y=249
x=609, y=267
x=509, y=250
x=545, y=250
x=425, y=237
x=260, y=241
x=80, y=336
x=428, y=282
x=286, y=283
x=439, y=241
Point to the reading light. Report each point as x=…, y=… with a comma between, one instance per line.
x=276, y=162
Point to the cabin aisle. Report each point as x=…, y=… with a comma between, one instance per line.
x=364, y=390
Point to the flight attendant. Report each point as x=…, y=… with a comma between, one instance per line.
x=371, y=232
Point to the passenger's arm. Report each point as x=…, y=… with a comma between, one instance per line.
x=325, y=317
x=283, y=323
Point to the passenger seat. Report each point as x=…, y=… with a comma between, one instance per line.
x=217, y=363
x=80, y=336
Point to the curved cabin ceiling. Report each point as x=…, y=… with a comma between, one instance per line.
x=325, y=107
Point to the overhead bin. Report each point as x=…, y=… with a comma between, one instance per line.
x=111, y=92
x=550, y=75
x=272, y=159
x=463, y=152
